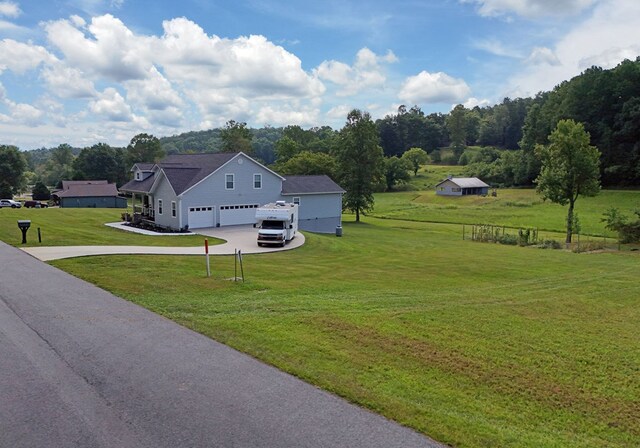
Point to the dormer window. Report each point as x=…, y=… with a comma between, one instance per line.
x=138, y=175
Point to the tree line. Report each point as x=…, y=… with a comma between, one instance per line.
x=606, y=102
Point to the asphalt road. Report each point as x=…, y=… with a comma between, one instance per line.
x=80, y=367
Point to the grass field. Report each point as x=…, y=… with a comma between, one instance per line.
x=79, y=226
x=476, y=345
x=511, y=207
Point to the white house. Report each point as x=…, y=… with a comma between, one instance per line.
x=461, y=186
x=212, y=190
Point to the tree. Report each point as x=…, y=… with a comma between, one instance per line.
x=100, y=162
x=310, y=163
x=236, y=137
x=360, y=162
x=457, y=127
x=286, y=148
x=59, y=166
x=143, y=148
x=40, y=192
x=12, y=168
x=396, y=170
x=415, y=157
x=570, y=168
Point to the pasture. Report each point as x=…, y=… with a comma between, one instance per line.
x=476, y=345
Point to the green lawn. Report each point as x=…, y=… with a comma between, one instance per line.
x=80, y=226
x=476, y=345
x=511, y=207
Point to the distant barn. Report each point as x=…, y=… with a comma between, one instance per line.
x=461, y=186
x=89, y=194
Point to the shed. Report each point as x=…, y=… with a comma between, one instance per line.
x=89, y=194
x=461, y=186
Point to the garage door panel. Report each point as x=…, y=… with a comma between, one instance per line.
x=233, y=215
x=200, y=217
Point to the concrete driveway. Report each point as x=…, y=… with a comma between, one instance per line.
x=80, y=367
x=237, y=237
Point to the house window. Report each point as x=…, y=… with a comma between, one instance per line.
x=173, y=209
x=257, y=181
x=159, y=206
x=229, y=181
x=138, y=175
x=296, y=200
x=456, y=190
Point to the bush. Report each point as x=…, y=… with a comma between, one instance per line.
x=549, y=244
x=588, y=246
x=511, y=240
x=40, y=192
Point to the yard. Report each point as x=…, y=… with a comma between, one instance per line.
x=78, y=226
x=474, y=344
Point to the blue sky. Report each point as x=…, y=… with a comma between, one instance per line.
x=88, y=71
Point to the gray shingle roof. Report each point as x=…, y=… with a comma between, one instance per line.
x=88, y=190
x=182, y=170
x=309, y=185
x=139, y=186
x=66, y=184
x=466, y=182
x=144, y=166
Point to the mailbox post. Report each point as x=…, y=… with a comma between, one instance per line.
x=24, y=226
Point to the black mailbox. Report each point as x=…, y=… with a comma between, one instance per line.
x=24, y=225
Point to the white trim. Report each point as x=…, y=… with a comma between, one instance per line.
x=174, y=209
x=254, y=181
x=226, y=182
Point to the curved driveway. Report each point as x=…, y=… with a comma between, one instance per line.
x=237, y=237
x=80, y=367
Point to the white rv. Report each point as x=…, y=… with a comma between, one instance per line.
x=277, y=223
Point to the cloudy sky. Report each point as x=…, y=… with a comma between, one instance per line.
x=88, y=71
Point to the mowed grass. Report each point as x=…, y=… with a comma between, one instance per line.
x=511, y=207
x=80, y=226
x=475, y=345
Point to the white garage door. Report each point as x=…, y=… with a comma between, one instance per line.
x=233, y=215
x=200, y=217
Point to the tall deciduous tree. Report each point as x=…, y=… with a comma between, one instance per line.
x=396, y=171
x=457, y=127
x=570, y=168
x=100, y=162
x=360, y=162
x=416, y=157
x=12, y=167
x=236, y=137
x=310, y=163
x=143, y=148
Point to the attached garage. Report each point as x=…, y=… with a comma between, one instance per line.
x=233, y=215
x=200, y=217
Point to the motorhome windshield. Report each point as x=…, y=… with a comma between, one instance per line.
x=273, y=225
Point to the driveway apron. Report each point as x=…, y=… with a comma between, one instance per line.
x=82, y=367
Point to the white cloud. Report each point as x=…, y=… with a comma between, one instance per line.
x=154, y=92
x=472, y=102
x=366, y=72
x=67, y=82
x=496, y=47
x=283, y=116
x=111, y=51
x=111, y=105
x=339, y=112
x=530, y=8
x=10, y=9
x=20, y=57
x=438, y=87
x=609, y=35
x=542, y=55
